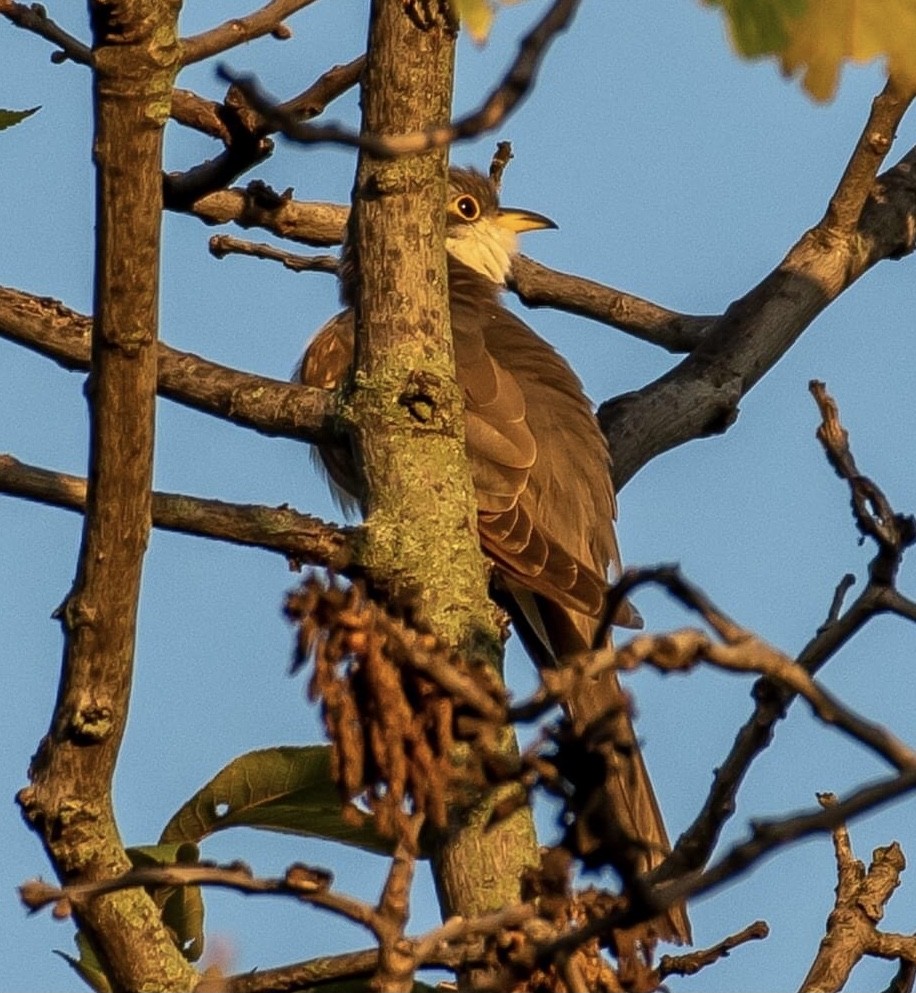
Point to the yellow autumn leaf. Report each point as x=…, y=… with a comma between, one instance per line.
x=476, y=16
x=831, y=32
x=814, y=38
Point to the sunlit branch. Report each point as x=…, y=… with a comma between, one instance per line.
x=300, y=537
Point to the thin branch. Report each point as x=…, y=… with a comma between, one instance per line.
x=836, y=605
x=875, y=518
x=769, y=835
x=681, y=651
x=742, y=651
x=497, y=106
x=457, y=931
x=700, y=396
x=273, y=408
x=302, y=882
x=222, y=245
x=268, y=20
x=861, y=896
x=327, y=88
x=650, y=898
x=349, y=965
x=904, y=979
x=848, y=201
x=396, y=966
x=243, y=131
x=692, y=963
x=321, y=225
x=297, y=536
x=34, y=18
x=302, y=975
x=539, y=286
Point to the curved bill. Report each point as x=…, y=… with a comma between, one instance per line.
x=522, y=220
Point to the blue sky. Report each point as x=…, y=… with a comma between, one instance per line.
x=675, y=171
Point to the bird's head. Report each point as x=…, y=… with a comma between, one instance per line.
x=478, y=232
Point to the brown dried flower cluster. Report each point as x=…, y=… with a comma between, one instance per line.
x=387, y=713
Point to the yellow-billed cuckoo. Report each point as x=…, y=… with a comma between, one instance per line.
x=540, y=467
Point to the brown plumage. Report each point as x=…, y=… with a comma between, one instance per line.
x=540, y=466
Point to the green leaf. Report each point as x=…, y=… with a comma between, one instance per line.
x=87, y=966
x=287, y=789
x=816, y=38
x=182, y=907
x=10, y=117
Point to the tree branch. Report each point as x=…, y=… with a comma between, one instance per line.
x=273, y=408
x=651, y=897
x=852, y=928
x=268, y=20
x=700, y=396
x=498, y=105
x=222, y=245
x=34, y=18
x=692, y=963
x=857, y=183
x=318, y=224
x=539, y=286
x=297, y=536
x=68, y=802
x=304, y=883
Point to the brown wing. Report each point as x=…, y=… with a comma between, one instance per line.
x=539, y=461
x=546, y=506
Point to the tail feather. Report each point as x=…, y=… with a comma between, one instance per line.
x=627, y=812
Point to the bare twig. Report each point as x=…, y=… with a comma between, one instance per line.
x=650, y=898
x=852, y=928
x=222, y=245
x=836, y=605
x=396, y=969
x=855, y=186
x=303, y=882
x=267, y=405
x=34, y=18
x=904, y=979
x=875, y=517
x=329, y=85
x=769, y=835
x=692, y=963
x=349, y=965
x=539, y=286
x=458, y=931
x=268, y=20
x=696, y=843
x=297, y=536
x=243, y=131
x=318, y=224
x=512, y=89
x=501, y=158
x=193, y=111
x=742, y=651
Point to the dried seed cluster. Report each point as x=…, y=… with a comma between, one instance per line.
x=389, y=722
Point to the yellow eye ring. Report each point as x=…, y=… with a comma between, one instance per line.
x=466, y=207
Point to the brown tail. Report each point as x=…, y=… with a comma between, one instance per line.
x=625, y=807
x=600, y=710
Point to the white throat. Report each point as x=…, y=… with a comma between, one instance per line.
x=485, y=246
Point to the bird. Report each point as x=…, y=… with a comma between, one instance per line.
x=540, y=465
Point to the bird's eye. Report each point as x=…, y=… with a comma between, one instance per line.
x=467, y=207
